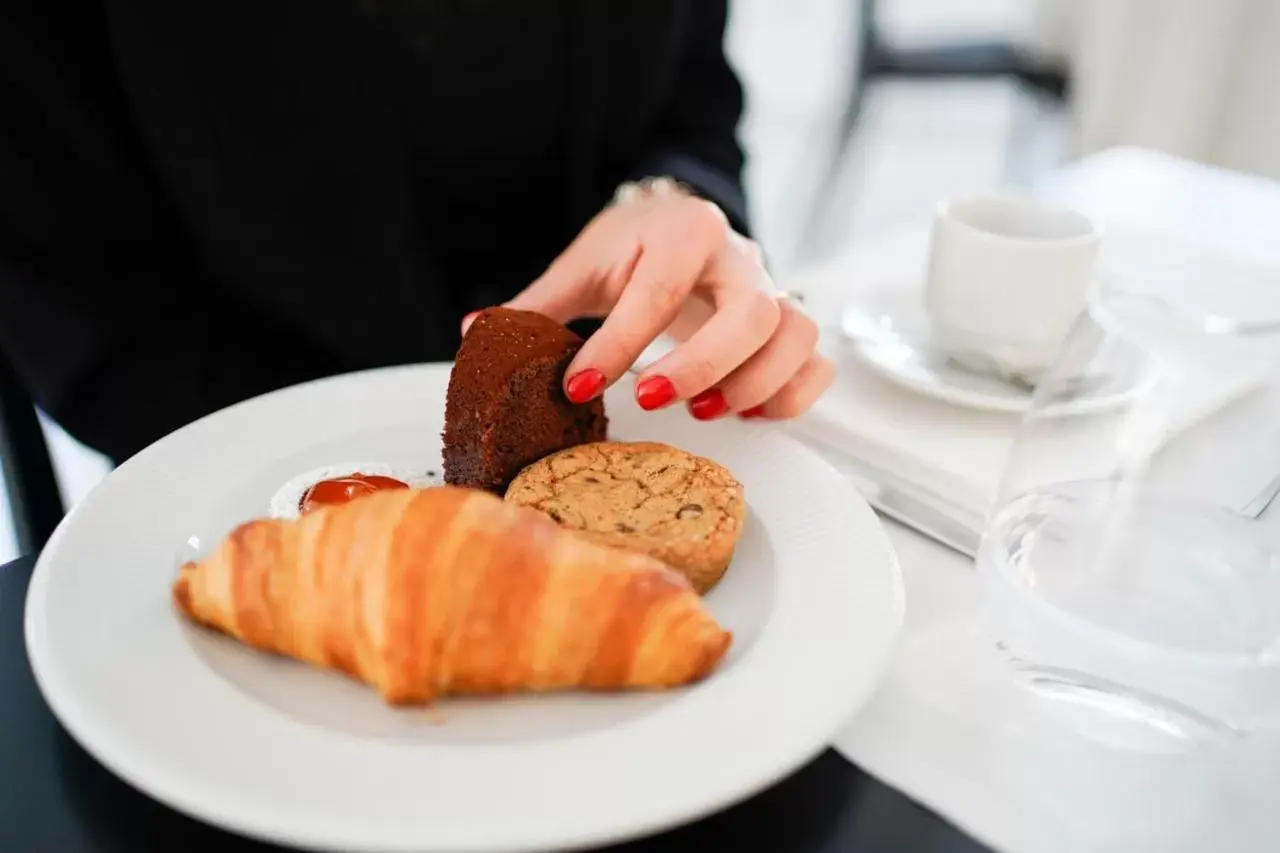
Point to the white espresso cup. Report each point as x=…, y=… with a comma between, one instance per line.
x=1007, y=277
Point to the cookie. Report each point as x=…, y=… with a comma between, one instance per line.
x=642, y=496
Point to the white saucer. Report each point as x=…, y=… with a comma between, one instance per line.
x=887, y=330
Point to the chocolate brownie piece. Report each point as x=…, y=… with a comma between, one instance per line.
x=506, y=406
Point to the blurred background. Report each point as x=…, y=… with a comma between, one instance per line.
x=862, y=113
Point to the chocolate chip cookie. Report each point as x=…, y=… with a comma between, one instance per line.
x=642, y=496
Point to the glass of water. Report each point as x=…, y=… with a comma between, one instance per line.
x=1132, y=560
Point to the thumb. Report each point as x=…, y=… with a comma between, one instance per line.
x=580, y=282
x=564, y=291
x=558, y=293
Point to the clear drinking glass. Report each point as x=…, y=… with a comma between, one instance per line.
x=1132, y=561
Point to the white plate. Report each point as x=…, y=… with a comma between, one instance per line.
x=271, y=748
x=887, y=331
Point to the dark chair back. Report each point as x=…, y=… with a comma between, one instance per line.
x=34, y=499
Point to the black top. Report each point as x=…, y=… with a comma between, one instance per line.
x=204, y=200
x=55, y=797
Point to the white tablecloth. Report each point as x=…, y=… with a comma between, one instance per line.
x=944, y=727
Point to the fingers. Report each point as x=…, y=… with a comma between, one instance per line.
x=674, y=258
x=781, y=380
x=644, y=267
x=744, y=321
x=764, y=374
x=659, y=284
x=799, y=393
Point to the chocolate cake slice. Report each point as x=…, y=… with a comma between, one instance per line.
x=506, y=406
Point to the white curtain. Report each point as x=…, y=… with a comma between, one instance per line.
x=1196, y=78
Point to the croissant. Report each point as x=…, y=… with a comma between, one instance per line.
x=423, y=593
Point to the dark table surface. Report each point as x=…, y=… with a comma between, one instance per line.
x=54, y=798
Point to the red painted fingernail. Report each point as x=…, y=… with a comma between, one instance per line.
x=654, y=392
x=468, y=320
x=753, y=412
x=709, y=404
x=584, y=385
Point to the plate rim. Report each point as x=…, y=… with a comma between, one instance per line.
x=91, y=735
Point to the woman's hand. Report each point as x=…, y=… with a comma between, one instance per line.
x=672, y=263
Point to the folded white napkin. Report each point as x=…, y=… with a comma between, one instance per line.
x=946, y=457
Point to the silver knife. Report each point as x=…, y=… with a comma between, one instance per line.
x=955, y=527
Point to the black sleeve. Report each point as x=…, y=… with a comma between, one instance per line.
x=103, y=311
x=698, y=143
x=120, y=375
